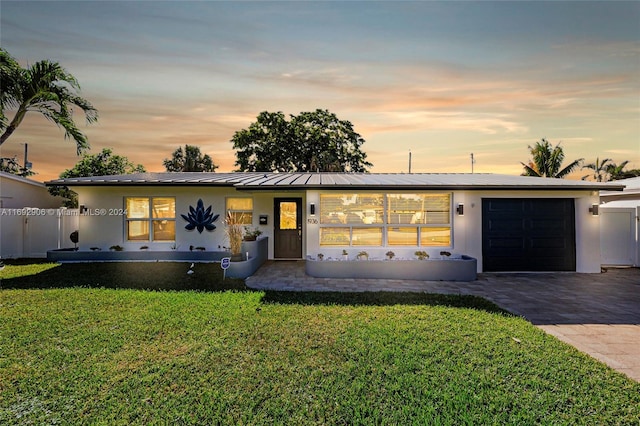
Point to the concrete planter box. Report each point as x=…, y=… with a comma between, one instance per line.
x=461, y=269
x=258, y=252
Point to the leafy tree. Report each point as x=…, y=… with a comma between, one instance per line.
x=617, y=171
x=547, y=161
x=628, y=174
x=102, y=164
x=308, y=142
x=189, y=160
x=11, y=165
x=44, y=87
x=600, y=169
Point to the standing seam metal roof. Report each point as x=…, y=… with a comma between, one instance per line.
x=271, y=181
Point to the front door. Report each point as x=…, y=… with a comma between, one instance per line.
x=287, y=237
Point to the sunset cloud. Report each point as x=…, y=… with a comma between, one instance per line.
x=441, y=79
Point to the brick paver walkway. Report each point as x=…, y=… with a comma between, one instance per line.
x=599, y=314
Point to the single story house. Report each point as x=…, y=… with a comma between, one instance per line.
x=507, y=223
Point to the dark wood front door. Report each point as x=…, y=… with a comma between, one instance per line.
x=287, y=236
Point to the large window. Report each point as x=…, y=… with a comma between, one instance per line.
x=401, y=219
x=241, y=209
x=150, y=218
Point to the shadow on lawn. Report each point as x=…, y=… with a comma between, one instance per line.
x=130, y=275
x=381, y=299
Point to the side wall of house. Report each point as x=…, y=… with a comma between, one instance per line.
x=16, y=194
x=466, y=235
x=103, y=225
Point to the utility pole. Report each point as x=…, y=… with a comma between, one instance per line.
x=472, y=162
x=26, y=165
x=409, y=161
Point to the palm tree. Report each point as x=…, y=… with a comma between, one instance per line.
x=600, y=169
x=616, y=171
x=44, y=87
x=547, y=161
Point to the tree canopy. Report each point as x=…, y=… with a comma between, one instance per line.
x=102, y=164
x=11, y=165
x=600, y=169
x=189, y=160
x=44, y=87
x=310, y=142
x=607, y=170
x=547, y=161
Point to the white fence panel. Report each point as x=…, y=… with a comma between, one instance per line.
x=30, y=232
x=618, y=236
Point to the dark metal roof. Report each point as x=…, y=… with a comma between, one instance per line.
x=278, y=181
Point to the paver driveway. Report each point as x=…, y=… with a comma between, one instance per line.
x=599, y=314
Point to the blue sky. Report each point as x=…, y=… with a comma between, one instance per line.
x=440, y=79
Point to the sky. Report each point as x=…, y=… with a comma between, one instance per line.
x=440, y=79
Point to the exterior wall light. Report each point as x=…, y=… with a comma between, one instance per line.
x=312, y=209
x=594, y=210
x=460, y=209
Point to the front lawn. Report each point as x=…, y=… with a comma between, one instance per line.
x=137, y=275
x=124, y=356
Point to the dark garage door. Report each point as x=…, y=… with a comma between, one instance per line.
x=521, y=234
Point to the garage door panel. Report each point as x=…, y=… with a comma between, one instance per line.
x=520, y=234
x=548, y=224
x=506, y=243
x=503, y=205
x=548, y=244
x=505, y=226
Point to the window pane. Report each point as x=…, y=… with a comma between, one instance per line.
x=334, y=236
x=164, y=207
x=366, y=237
x=138, y=230
x=418, y=208
x=137, y=207
x=402, y=236
x=435, y=237
x=351, y=208
x=239, y=203
x=164, y=230
x=243, y=218
x=288, y=215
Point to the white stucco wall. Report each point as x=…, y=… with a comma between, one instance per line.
x=105, y=231
x=17, y=192
x=467, y=229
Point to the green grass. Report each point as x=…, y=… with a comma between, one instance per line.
x=125, y=356
x=134, y=275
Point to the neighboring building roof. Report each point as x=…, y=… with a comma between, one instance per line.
x=631, y=191
x=11, y=176
x=269, y=181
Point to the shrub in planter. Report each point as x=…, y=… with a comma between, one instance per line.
x=251, y=234
x=421, y=255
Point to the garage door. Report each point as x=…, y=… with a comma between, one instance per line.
x=520, y=234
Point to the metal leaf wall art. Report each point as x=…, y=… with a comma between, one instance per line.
x=200, y=218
